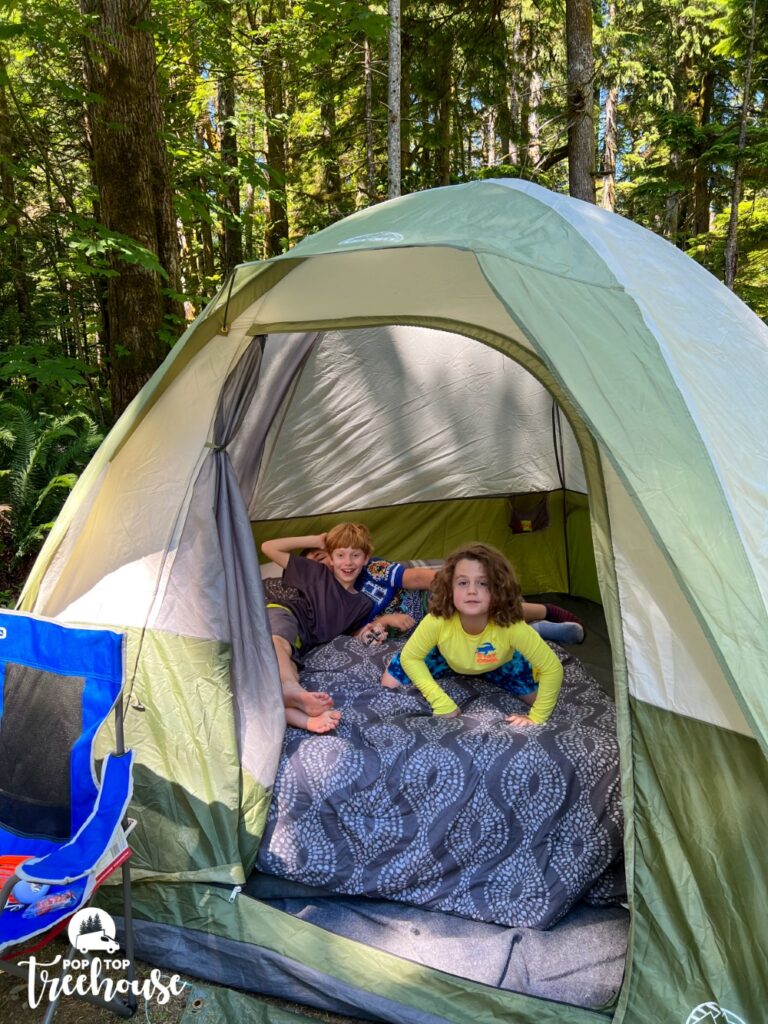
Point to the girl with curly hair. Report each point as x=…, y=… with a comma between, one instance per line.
x=475, y=627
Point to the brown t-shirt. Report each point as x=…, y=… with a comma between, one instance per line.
x=323, y=608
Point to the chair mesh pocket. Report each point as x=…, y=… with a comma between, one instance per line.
x=41, y=721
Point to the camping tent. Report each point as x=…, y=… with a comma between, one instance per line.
x=431, y=355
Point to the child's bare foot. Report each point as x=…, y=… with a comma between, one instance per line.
x=390, y=682
x=326, y=722
x=315, y=703
x=306, y=701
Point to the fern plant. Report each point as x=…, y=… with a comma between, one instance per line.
x=41, y=456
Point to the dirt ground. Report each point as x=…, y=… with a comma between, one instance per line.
x=15, y=1008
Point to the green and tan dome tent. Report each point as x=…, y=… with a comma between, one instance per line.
x=412, y=366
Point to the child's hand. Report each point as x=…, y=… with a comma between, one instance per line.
x=399, y=621
x=372, y=634
x=519, y=720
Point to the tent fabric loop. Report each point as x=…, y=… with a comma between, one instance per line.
x=225, y=326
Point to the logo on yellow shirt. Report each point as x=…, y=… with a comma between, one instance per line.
x=486, y=654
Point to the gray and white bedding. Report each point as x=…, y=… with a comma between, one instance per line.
x=466, y=815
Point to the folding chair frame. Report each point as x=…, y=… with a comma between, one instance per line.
x=122, y=1007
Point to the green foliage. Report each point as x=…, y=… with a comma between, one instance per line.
x=41, y=456
x=752, y=244
x=484, y=95
x=34, y=367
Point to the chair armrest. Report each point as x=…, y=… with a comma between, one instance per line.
x=82, y=853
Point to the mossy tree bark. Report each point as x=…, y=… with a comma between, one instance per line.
x=131, y=172
x=581, y=75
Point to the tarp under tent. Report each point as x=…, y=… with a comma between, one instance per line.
x=418, y=363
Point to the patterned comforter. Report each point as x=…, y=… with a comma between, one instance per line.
x=462, y=815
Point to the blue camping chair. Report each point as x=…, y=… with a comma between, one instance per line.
x=61, y=831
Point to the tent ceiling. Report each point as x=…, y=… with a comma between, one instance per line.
x=389, y=415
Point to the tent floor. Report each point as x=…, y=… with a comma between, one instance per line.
x=580, y=961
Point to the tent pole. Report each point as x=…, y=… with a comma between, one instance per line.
x=557, y=443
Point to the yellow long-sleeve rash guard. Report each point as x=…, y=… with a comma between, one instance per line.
x=473, y=655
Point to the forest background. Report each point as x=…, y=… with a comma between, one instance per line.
x=149, y=146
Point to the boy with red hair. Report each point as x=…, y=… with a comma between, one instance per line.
x=311, y=606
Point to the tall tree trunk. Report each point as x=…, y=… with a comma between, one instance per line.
x=701, y=201
x=610, y=134
x=206, y=248
x=533, y=147
x=504, y=128
x=330, y=146
x=459, y=154
x=187, y=265
x=249, y=249
x=10, y=223
x=443, y=115
x=103, y=344
x=581, y=73
x=608, y=161
x=370, y=162
x=679, y=172
x=276, y=233
x=232, y=250
x=491, y=120
x=406, y=64
x=731, y=249
x=131, y=171
x=509, y=123
x=394, y=172
x=206, y=261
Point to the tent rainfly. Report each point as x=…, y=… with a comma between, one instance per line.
x=413, y=358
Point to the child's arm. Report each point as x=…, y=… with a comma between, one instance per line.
x=418, y=577
x=400, y=621
x=412, y=659
x=279, y=549
x=377, y=628
x=546, y=668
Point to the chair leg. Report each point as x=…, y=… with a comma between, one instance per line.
x=53, y=1006
x=128, y=938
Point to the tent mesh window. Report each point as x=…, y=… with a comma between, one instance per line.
x=41, y=721
x=528, y=512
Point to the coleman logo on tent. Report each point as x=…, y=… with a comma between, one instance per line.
x=3, y=632
x=712, y=1013
x=376, y=236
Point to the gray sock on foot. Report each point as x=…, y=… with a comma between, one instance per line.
x=560, y=632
